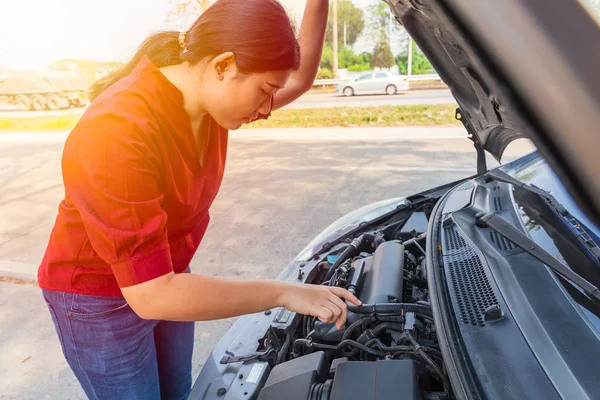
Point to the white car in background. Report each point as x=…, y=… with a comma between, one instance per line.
x=374, y=83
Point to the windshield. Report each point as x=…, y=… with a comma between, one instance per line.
x=572, y=240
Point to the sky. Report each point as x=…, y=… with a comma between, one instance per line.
x=37, y=32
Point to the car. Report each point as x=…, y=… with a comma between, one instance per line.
x=376, y=82
x=483, y=288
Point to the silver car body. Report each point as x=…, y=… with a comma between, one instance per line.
x=374, y=82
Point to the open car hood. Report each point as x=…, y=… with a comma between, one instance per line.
x=520, y=69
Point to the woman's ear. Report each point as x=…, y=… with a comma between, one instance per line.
x=223, y=63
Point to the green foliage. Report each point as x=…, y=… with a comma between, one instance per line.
x=346, y=59
x=420, y=63
x=382, y=56
x=44, y=123
x=325, y=73
x=359, y=67
x=416, y=115
x=327, y=57
x=364, y=58
x=379, y=22
x=353, y=17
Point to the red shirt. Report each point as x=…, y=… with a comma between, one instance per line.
x=137, y=196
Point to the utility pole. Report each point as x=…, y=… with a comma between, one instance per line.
x=409, y=66
x=334, y=21
x=344, y=34
x=390, y=30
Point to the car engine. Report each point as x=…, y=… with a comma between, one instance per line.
x=388, y=347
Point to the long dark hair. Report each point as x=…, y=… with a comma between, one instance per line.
x=258, y=32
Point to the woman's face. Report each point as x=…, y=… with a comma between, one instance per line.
x=233, y=98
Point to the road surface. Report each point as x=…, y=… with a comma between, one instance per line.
x=415, y=97
x=281, y=188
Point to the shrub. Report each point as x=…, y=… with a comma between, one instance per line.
x=325, y=73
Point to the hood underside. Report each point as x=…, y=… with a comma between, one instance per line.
x=520, y=69
x=481, y=110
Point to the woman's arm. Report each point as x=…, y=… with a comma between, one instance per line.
x=193, y=297
x=312, y=33
x=112, y=177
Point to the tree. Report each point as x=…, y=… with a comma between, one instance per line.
x=382, y=23
x=184, y=12
x=382, y=56
x=347, y=57
x=324, y=73
x=420, y=63
x=327, y=57
x=352, y=16
x=365, y=58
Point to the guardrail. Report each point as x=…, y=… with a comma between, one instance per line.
x=425, y=77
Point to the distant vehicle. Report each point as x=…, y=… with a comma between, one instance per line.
x=372, y=83
x=44, y=90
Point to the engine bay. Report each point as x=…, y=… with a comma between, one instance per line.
x=388, y=347
x=442, y=313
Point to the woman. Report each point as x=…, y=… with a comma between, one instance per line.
x=141, y=170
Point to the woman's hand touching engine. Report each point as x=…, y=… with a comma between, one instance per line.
x=324, y=302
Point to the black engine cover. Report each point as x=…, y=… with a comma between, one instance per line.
x=293, y=380
x=300, y=379
x=383, y=281
x=382, y=277
x=380, y=380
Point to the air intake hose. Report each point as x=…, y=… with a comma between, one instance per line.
x=390, y=308
x=351, y=250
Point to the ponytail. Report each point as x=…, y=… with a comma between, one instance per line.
x=162, y=49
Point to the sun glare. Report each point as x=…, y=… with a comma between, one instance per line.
x=37, y=32
x=42, y=31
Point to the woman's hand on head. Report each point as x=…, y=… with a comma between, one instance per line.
x=325, y=302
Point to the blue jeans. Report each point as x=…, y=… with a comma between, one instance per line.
x=117, y=355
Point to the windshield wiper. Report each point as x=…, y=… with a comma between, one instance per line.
x=504, y=228
x=501, y=176
x=570, y=222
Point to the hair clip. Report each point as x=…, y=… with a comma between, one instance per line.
x=182, y=41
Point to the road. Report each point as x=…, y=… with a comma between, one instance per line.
x=415, y=97
x=281, y=188
x=309, y=100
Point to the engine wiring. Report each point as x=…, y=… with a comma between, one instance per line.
x=398, y=328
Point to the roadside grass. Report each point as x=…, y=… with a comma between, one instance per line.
x=44, y=123
x=378, y=116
